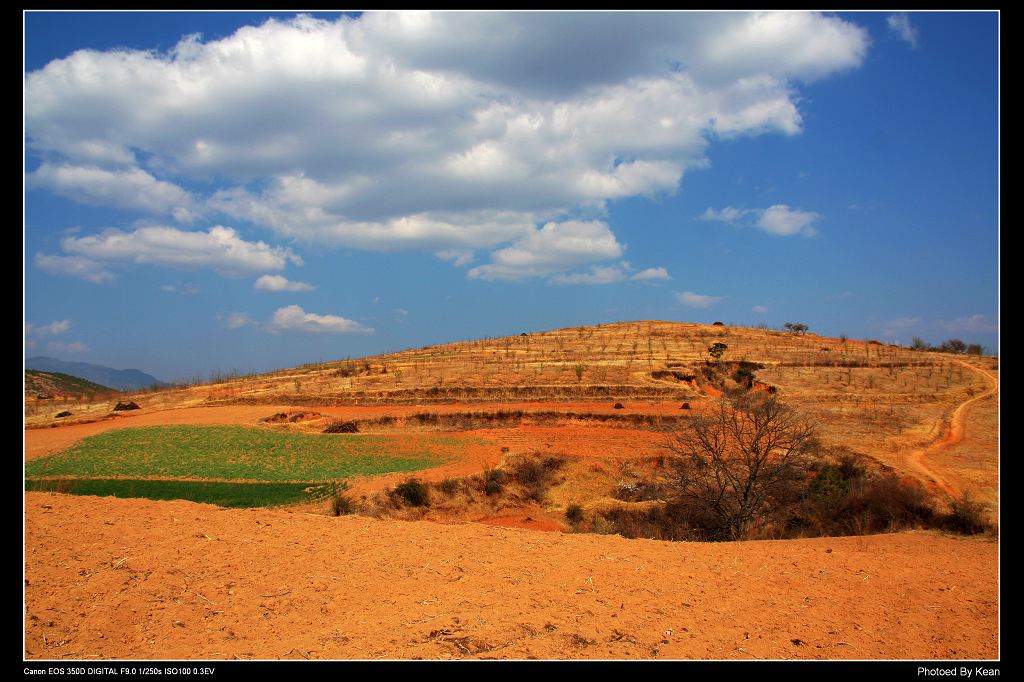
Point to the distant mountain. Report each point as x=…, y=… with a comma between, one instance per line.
x=121, y=379
x=59, y=385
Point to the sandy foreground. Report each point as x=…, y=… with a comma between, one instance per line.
x=137, y=579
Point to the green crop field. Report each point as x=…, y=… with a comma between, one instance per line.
x=223, y=494
x=248, y=458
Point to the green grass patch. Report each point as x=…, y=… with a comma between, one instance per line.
x=240, y=453
x=224, y=494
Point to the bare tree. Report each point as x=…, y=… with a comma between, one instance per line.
x=739, y=462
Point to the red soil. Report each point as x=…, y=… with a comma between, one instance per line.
x=41, y=442
x=137, y=579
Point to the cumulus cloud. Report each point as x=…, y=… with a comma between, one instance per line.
x=239, y=320
x=976, y=324
x=554, y=248
x=186, y=289
x=447, y=132
x=610, y=274
x=651, y=275
x=61, y=347
x=132, y=189
x=900, y=25
x=220, y=248
x=294, y=319
x=779, y=219
x=74, y=266
x=598, y=275
x=55, y=328
x=280, y=283
x=694, y=300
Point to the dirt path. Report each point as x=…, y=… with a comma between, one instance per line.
x=953, y=434
x=136, y=579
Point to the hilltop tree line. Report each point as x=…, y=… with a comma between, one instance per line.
x=948, y=346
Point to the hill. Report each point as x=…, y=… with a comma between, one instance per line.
x=542, y=448
x=119, y=379
x=52, y=385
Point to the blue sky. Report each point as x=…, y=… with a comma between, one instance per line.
x=252, y=191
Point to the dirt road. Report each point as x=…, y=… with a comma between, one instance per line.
x=951, y=435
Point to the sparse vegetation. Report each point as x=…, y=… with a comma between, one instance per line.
x=967, y=515
x=717, y=350
x=413, y=492
x=574, y=514
x=741, y=463
x=494, y=481
x=341, y=504
x=232, y=453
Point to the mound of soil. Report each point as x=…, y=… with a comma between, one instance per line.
x=125, y=406
x=342, y=427
x=65, y=413
x=684, y=406
x=618, y=406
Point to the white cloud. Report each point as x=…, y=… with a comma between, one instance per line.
x=693, y=300
x=446, y=132
x=651, y=275
x=900, y=24
x=239, y=320
x=132, y=189
x=185, y=289
x=219, y=248
x=782, y=220
x=976, y=324
x=779, y=219
x=294, y=318
x=760, y=309
x=279, y=283
x=458, y=257
x=74, y=266
x=55, y=328
x=598, y=275
x=61, y=347
x=554, y=248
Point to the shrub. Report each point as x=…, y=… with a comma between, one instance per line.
x=341, y=504
x=449, y=486
x=744, y=375
x=953, y=346
x=536, y=474
x=967, y=515
x=413, y=492
x=342, y=427
x=494, y=481
x=574, y=514
x=640, y=491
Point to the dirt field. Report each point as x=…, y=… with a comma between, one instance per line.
x=137, y=579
